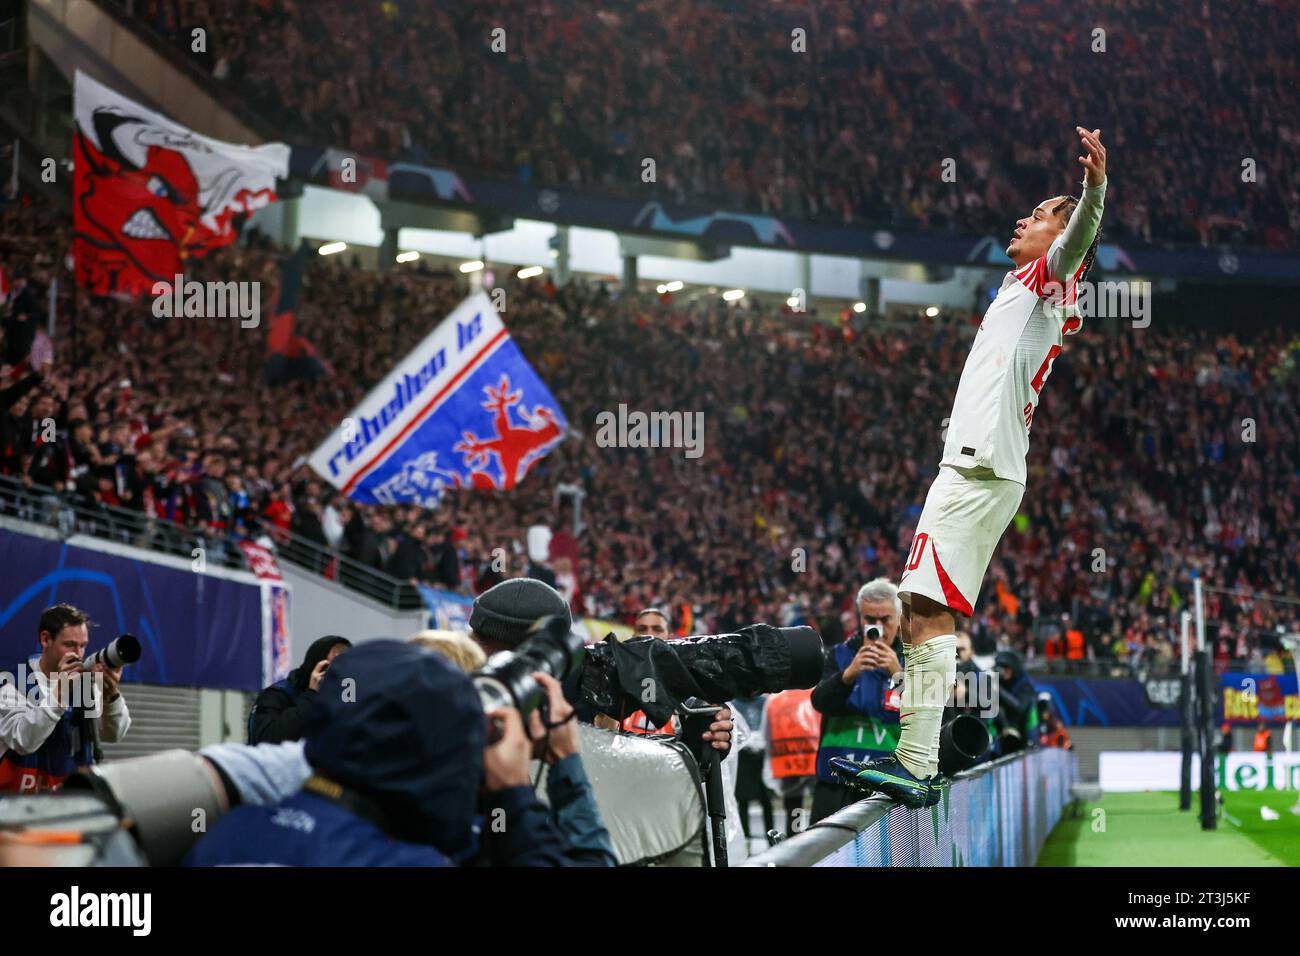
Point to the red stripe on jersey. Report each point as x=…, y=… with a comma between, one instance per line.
x=1034, y=275
x=950, y=591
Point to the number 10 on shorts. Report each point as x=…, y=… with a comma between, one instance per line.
x=918, y=549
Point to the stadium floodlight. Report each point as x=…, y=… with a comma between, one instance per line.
x=332, y=247
x=733, y=295
x=529, y=272
x=859, y=307
x=932, y=311
x=410, y=256
x=661, y=288
x=475, y=266
x=793, y=302
x=675, y=286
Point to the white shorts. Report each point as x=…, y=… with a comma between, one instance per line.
x=961, y=524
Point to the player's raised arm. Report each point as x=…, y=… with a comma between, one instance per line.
x=1066, y=254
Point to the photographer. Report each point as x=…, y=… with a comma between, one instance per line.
x=1017, y=718
x=857, y=696
x=281, y=710
x=502, y=615
x=961, y=701
x=398, y=750
x=568, y=792
x=716, y=731
x=42, y=741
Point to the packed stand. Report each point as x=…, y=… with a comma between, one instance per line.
x=855, y=129
x=1140, y=452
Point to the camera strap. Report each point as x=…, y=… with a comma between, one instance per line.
x=549, y=725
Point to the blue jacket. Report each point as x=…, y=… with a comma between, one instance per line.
x=860, y=722
x=305, y=830
x=576, y=816
x=402, y=732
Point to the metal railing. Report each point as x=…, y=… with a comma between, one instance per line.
x=995, y=814
x=69, y=514
x=333, y=564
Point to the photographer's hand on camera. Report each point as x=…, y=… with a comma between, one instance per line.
x=61, y=680
x=555, y=734
x=505, y=763
x=112, y=676
x=884, y=658
x=861, y=663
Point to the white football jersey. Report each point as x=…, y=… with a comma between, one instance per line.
x=1022, y=334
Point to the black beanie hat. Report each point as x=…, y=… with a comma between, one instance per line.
x=505, y=611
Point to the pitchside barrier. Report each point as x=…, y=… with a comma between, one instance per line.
x=998, y=814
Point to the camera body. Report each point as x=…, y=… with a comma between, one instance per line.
x=506, y=680
x=872, y=632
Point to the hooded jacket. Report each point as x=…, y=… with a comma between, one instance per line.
x=1017, y=699
x=280, y=712
x=396, y=743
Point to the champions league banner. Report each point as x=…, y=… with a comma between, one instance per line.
x=150, y=193
x=198, y=629
x=463, y=410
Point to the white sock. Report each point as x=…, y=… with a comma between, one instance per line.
x=930, y=671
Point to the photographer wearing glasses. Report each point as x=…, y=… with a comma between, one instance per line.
x=47, y=734
x=859, y=696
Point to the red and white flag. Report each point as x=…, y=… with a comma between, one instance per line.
x=150, y=193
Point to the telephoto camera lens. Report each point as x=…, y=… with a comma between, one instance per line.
x=758, y=659
x=121, y=651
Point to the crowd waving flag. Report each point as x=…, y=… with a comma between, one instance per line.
x=463, y=410
x=290, y=356
x=150, y=194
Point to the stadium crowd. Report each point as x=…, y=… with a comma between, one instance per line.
x=855, y=129
x=1159, y=452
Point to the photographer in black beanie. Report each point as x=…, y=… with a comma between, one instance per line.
x=499, y=621
x=502, y=615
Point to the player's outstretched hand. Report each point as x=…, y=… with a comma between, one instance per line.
x=1094, y=160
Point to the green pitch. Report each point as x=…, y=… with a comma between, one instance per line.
x=1147, y=829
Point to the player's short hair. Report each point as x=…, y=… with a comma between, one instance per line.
x=880, y=589
x=1066, y=208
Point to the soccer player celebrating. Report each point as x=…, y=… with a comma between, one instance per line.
x=982, y=474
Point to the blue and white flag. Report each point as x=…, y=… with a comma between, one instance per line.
x=463, y=410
